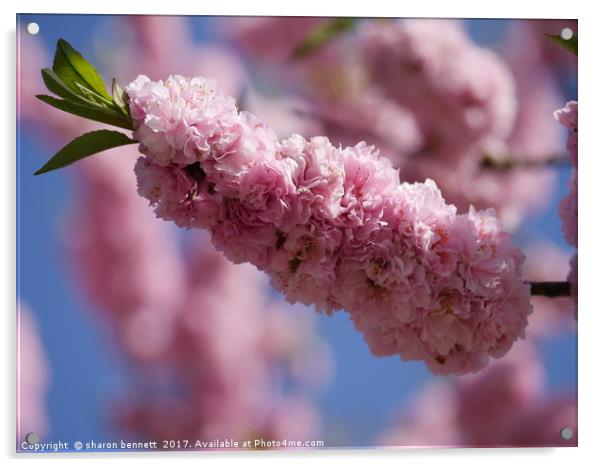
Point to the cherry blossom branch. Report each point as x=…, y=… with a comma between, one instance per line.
x=331, y=226
x=551, y=289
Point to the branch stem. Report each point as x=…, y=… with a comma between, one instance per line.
x=509, y=163
x=551, y=289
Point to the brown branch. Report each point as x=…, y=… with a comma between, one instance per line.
x=509, y=163
x=551, y=289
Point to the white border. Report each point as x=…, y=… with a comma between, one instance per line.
x=590, y=322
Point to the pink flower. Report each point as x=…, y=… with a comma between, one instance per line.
x=427, y=304
x=304, y=267
x=567, y=117
x=176, y=195
x=265, y=189
x=175, y=120
x=242, y=236
x=334, y=228
x=370, y=188
x=242, y=145
x=318, y=173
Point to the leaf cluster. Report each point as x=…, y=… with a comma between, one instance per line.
x=81, y=91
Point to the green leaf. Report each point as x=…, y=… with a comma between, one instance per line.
x=55, y=85
x=118, y=98
x=84, y=95
x=111, y=117
x=82, y=90
x=569, y=44
x=320, y=35
x=75, y=71
x=84, y=146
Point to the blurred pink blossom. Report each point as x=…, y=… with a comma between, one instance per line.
x=534, y=135
x=125, y=273
x=439, y=85
x=505, y=405
x=224, y=363
x=269, y=38
x=150, y=49
x=32, y=57
x=567, y=117
x=568, y=211
x=428, y=419
x=371, y=117
x=207, y=324
x=557, y=58
x=461, y=95
x=490, y=403
x=33, y=377
x=289, y=114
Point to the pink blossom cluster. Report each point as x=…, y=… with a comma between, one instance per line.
x=506, y=405
x=460, y=94
x=332, y=227
x=567, y=117
x=209, y=349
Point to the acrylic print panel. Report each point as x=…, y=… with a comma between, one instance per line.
x=301, y=233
